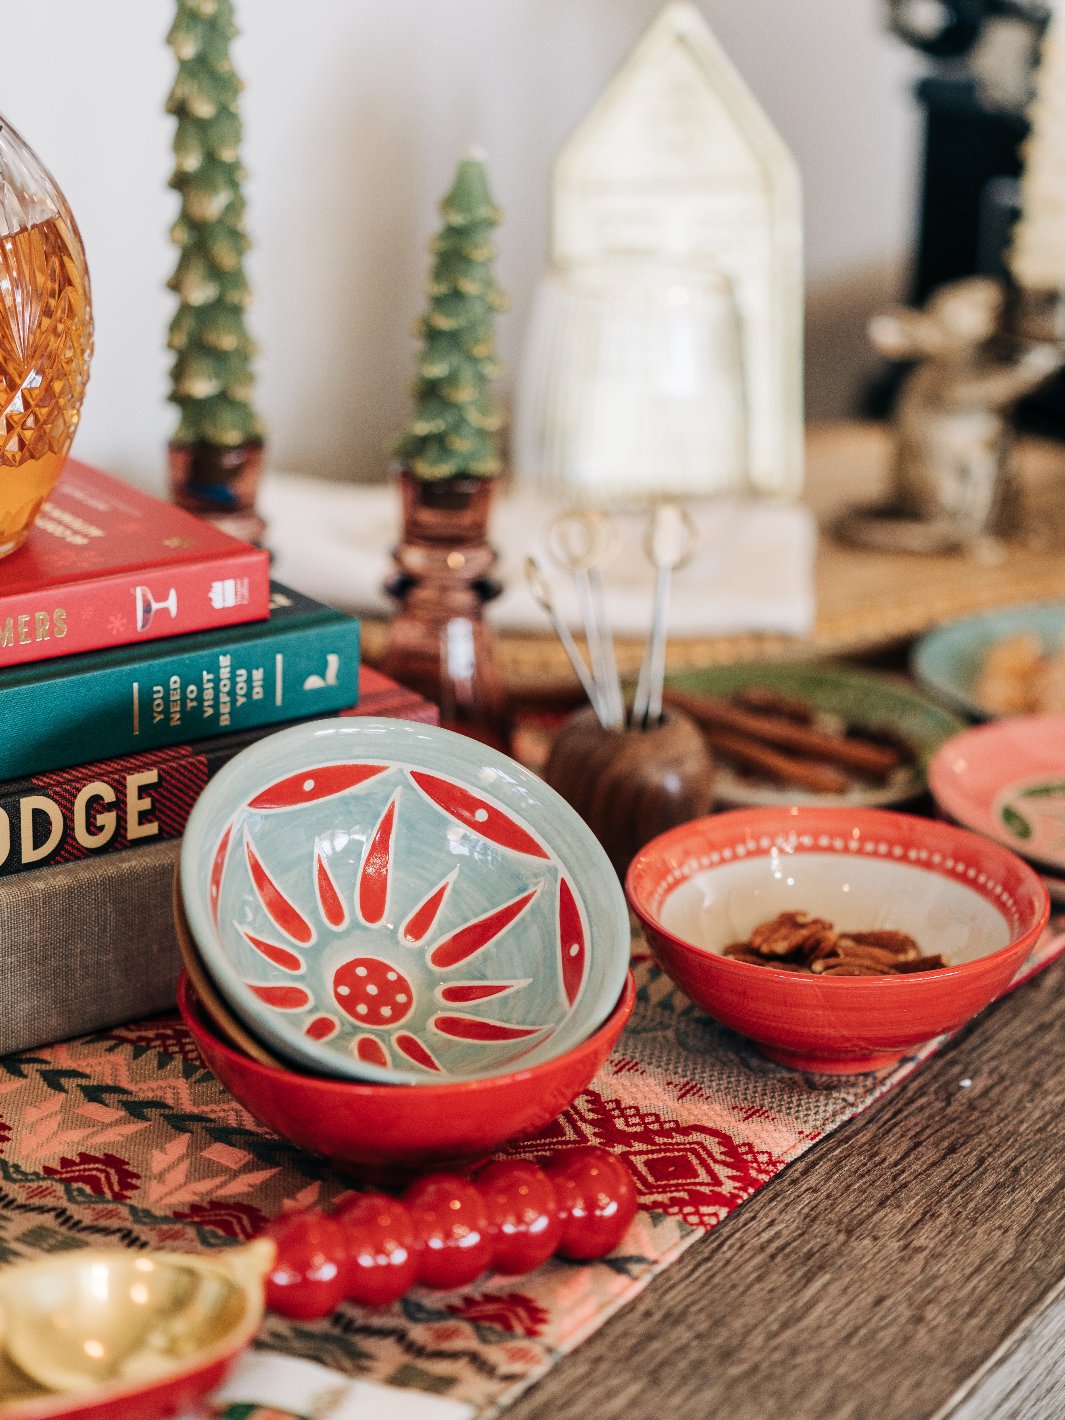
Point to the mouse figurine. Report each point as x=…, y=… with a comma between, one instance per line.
x=952, y=420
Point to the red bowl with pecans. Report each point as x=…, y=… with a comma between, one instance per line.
x=387, y=1132
x=837, y=939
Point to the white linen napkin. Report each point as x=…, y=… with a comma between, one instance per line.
x=753, y=570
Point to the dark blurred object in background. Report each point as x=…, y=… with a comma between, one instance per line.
x=983, y=57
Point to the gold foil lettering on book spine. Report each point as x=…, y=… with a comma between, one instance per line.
x=41, y=827
x=138, y=804
x=71, y=521
x=37, y=804
x=31, y=626
x=225, y=682
x=94, y=829
x=57, y=529
x=98, y=811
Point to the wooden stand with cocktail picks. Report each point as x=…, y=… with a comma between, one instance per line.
x=629, y=777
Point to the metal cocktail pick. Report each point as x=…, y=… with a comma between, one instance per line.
x=583, y=542
x=671, y=542
x=541, y=590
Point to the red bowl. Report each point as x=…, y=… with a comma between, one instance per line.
x=385, y=1132
x=146, y=1400
x=711, y=881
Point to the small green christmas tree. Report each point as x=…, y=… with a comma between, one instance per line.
x=211, y=377
x=455, y=421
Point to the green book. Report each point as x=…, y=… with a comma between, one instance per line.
x=301, y=663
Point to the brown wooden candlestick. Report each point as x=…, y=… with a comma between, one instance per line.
x=219, y=485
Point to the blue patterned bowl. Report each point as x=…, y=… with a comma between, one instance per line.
x=388, y=901
x=948, y=661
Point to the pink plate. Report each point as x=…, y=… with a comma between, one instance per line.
x=1006, y=779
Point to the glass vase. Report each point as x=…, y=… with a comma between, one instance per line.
x=632, y=384
x=46, y=333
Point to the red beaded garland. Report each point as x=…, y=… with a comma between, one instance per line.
x=382, y=1246
x=446, y=1231
x=524, y=1213
x=452, y=1222
x=309, y=1278
x=598, y=1201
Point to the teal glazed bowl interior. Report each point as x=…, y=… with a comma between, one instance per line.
x=948, y=661
x=382, y=900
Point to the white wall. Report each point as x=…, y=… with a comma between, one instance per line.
x=355, y=112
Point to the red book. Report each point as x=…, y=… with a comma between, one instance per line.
x=106, y=564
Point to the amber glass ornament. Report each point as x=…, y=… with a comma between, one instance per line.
x=439, y=643
x=45, y=334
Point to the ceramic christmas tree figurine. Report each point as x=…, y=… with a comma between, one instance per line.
x=439, y=643
x=454, y=425
x=216, y=454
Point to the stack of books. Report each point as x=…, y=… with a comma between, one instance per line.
x=140, y=649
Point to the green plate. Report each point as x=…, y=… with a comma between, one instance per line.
x=867, y=700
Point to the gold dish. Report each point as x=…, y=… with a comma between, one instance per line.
x=117, y=1333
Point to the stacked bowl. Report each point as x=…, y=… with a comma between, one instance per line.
x=401, y=948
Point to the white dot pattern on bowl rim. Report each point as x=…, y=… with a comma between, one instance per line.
x=789, y=842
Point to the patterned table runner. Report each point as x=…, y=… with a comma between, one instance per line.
x=125, y=1139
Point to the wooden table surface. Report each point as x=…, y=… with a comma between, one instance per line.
x=910, y=1266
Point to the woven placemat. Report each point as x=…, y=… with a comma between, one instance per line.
x=125, y=1139
x=866, y=601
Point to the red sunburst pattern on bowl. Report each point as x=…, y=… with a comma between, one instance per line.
x=371, y=996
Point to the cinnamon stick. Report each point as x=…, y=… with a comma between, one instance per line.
x=764, y=701
x=862, y=756
x=785, y=768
